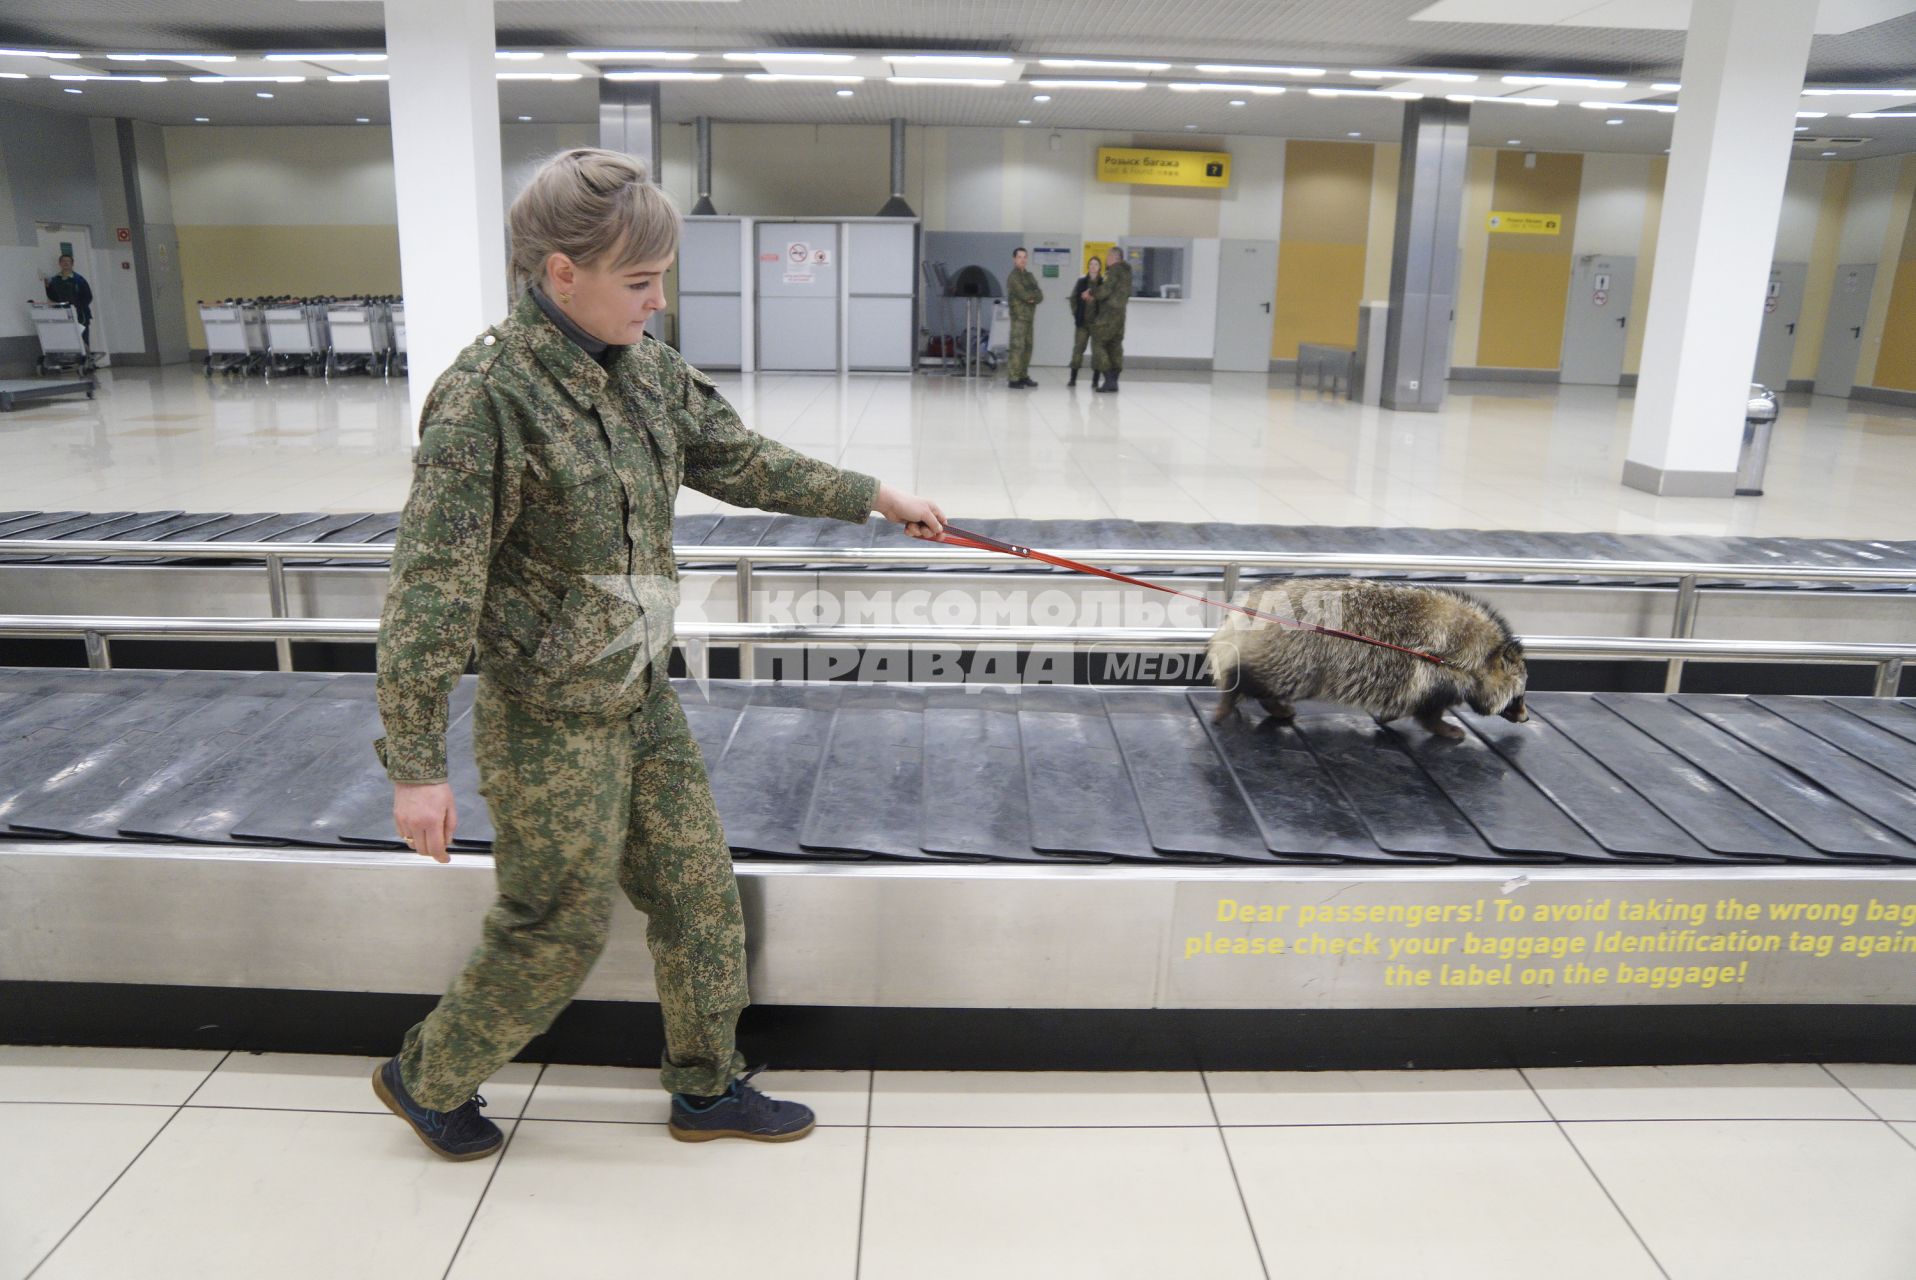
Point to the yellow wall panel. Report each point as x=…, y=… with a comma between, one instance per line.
x=1318, y=290
x=1320, y=257
x=1524, y=296
x=1526, y=278
x=1891, y=326
x=1896, y=366
x=244, y=262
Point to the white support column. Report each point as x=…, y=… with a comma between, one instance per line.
x=445, y=107
x=1743, y=68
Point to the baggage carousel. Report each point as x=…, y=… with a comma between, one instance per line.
x=994, y=876
x=776, y=575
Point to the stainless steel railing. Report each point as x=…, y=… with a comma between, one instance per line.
x=1688, y=575
x=99, y=631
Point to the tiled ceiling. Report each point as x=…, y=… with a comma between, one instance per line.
x=1339, y=35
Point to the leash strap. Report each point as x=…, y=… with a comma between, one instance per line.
x=954, y=536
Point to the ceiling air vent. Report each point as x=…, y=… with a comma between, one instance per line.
x=1807, y=143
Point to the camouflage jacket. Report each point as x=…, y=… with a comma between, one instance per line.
x=543, y=485
x=1021, y=288
x=1112, y=293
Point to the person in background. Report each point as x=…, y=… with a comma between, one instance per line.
x=1021, y=288
x=1107, y=327
x=1084, y=306
x=71, y=288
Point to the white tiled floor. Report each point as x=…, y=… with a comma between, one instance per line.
x=1174, y=446
x=118, y=1162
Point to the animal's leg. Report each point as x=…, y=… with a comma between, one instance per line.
x=1434, y=721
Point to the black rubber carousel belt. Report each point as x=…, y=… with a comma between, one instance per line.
x=1404, y=810
x=1300, y=812
x=712, y=710
x=1189, y=797
x=1712, y=814
x=1508, y=811
x=184, y=726
x=1817, y=817
x=43, y=735
x=1853, y=781
x=350, y=799
x=1081, y=797
x=62, y=524
x=868, y=794
x=179, y=526
x=269, y=762
x=1594, y=798
x=974, y=796
x=764, y=783
x=279, y=807
x=1893, y=715
x=1894, y=756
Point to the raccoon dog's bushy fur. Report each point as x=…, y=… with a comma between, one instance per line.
x=1483, y=663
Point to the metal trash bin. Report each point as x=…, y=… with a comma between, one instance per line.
x=1759, y=419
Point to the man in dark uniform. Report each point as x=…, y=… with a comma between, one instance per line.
x=1112, y=295
x=1021, y=288
x=71, y=288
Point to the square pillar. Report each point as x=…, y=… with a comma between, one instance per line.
x=444, y=95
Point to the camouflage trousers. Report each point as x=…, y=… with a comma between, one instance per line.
x=1079, y=341
x=1107, y=348
x=581, y=805
x=1019, y=348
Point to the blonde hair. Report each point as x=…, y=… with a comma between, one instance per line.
x=596, y=208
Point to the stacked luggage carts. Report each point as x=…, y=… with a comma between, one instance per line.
x=313, y=336
x=235, y=337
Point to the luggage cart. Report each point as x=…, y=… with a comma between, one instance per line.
x=360, y=336
x=295, y=337
x=235, y=337
x=397, y=364
x=62, y=345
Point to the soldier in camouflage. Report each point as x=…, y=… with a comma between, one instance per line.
x=1021, y=288
x=540, y=525
x=1113, y=294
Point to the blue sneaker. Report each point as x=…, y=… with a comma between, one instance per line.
x=459, y=1134
x=740, y=1112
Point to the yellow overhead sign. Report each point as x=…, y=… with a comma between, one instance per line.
x=1164, y=168
x=1526, y=224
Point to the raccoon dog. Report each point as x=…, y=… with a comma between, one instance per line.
x=1483, y=663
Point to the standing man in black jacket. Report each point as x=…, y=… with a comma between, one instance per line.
x=1083, y=309
x=71, y=288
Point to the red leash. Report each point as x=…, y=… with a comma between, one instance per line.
x=957, y=537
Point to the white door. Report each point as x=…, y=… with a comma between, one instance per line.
x=55, y=239
x=1246, y=298
x=798, y=296
x=1782, y=308
x=1596, y=319
x=1843, y=334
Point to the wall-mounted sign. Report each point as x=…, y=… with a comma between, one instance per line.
x=1153, y=168
x=1526, y=224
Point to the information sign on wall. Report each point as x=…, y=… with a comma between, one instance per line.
x=1154, y=168
x=1526, y=224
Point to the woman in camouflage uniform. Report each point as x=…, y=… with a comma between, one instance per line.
x=540, y=525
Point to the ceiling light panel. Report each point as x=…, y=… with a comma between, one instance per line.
x=686, y=76
x=1587, y=82
x=1245, y=69
x=1448, y=77
x=631, y=55
x=1262, y=90
x=957, y=80
x=1087, y=84
x=1096, y=64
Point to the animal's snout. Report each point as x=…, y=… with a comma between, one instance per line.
x=1515, y=712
